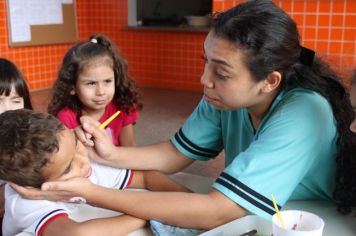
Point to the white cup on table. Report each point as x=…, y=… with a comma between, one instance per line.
x=297, y=223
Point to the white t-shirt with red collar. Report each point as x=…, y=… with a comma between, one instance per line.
x=33, y=216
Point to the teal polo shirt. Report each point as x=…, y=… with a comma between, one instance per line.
x=291, y=155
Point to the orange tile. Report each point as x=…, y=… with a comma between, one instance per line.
x=336, y=34
x=335, y=47
x=338, y=6
x=311, y=6
x=299, y=19
x=228, y=5
x=322, y=47
x=217, y=6
x=349, y=48
x=337, y=20
x=351, y=6
x=350, y=21
x=323, y=20
x=310, y=20
x=287, y=6
x=298, y=6
x=323, y=34
x=350, y=34
x=309, y=33
x=324, y=6
x=309, y=44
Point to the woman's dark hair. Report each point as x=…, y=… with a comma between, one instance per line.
x=10, y=76
x=79, y=56
x=270, y=41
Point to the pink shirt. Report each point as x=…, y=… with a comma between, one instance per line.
x=69, y=119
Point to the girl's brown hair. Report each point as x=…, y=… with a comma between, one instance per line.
x=98, y=46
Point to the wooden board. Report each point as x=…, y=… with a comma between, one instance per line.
x=52, y=34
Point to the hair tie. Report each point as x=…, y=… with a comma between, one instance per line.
x=94, y=40
x=306, y=56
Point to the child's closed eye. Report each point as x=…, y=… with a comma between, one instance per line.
x=90, y=83
x=67, y=170
x=17, y=100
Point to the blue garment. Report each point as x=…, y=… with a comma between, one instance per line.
x=160, y=229
x=291, y=155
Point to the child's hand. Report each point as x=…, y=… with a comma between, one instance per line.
x=83, y=136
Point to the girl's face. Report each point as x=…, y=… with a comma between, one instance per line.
x=353, y=102
x=228, y=84
x=95, y=87
x=11, y=102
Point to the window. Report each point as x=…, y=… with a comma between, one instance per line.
x=168, y=12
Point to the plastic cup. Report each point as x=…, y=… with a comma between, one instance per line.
x=297, y=223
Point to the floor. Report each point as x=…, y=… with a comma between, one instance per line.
x=164, y=111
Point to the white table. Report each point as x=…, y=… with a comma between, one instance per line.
x=335, y=224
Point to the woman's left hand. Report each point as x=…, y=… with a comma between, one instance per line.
x=56, y=191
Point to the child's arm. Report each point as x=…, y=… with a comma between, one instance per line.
x=156, y=181
x=127, y=136
x=111, y=226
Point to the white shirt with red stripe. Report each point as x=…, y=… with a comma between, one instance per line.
x=33, y=216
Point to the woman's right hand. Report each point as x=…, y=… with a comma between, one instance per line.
x=100, y=146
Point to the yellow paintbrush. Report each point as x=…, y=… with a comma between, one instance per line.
x=277, y=211
x=111, y=118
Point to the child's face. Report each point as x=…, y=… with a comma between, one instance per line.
x=70, y=161
x=11, y=102
x=95, y=86
x=353, y=102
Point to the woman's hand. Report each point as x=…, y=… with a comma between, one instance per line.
x=57, y=190
x=99, y=144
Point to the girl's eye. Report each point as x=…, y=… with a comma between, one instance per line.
x=17, y=100
x=220, y=76
x=90, y=83
x=108, y=81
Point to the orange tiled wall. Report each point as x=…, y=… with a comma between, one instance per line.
x=328, y=27
x=172, y=59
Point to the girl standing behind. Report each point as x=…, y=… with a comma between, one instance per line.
x=93, y=81
x=14, y=94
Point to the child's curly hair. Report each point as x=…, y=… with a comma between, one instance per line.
x=126, y=93
x=28, y=139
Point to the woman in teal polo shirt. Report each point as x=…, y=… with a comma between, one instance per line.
x=279, y=113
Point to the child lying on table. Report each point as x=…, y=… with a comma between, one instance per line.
x=36, y=147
